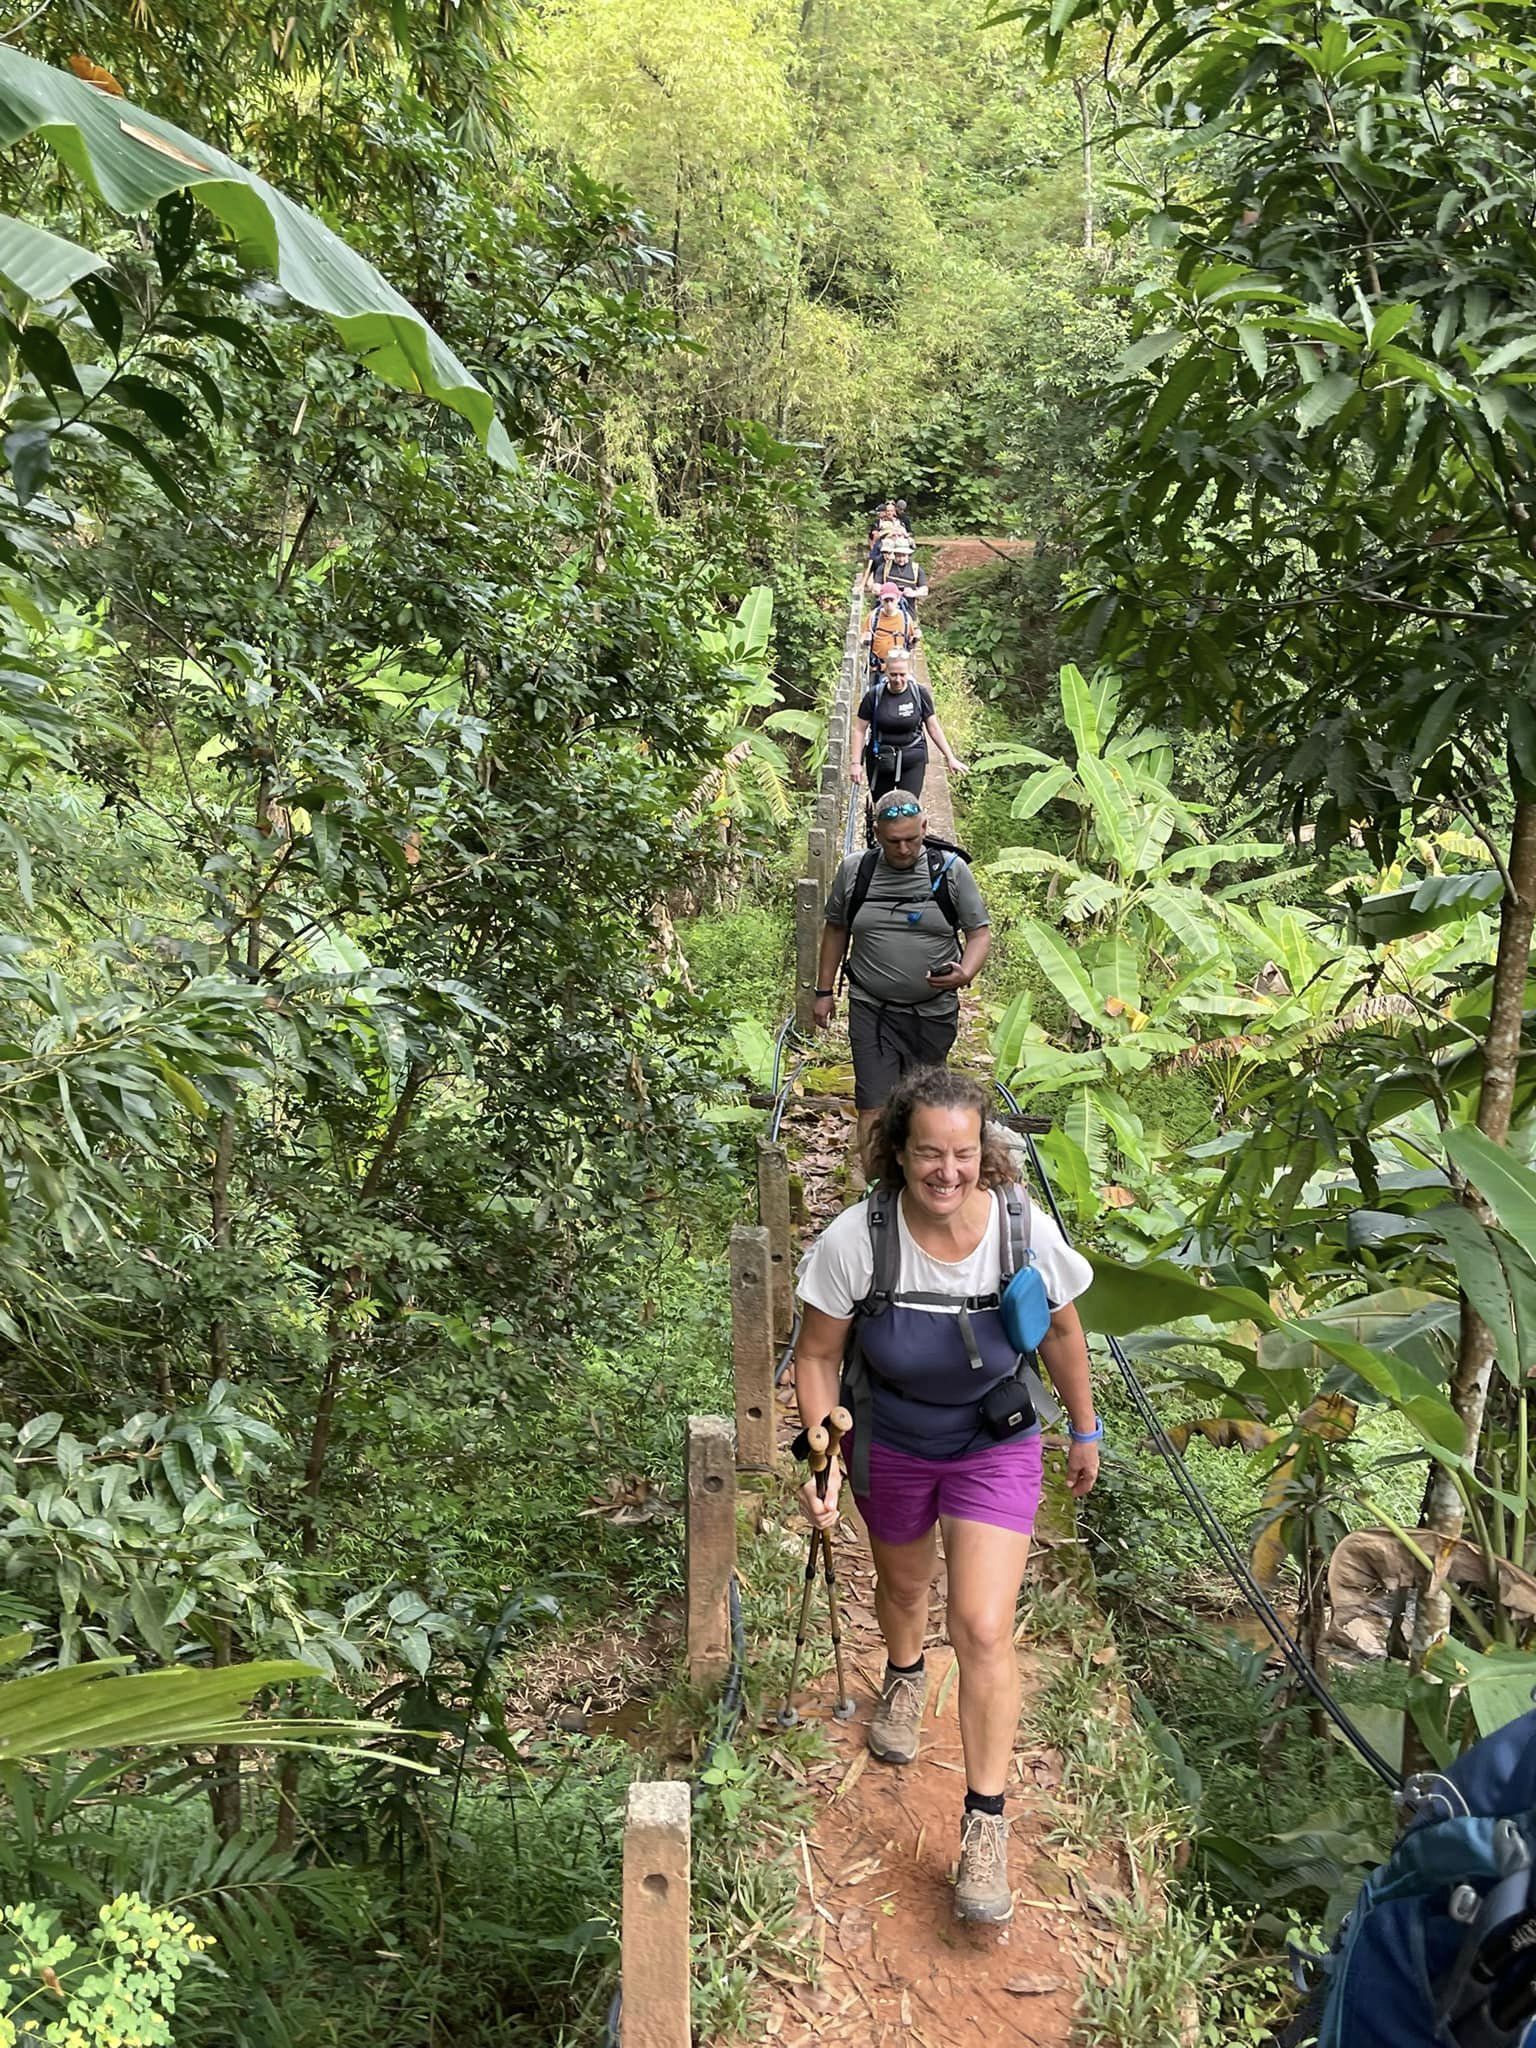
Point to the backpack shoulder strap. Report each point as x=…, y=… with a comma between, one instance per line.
x=1015, y=1228
x=864, y=876
x=885, y=1244
x=940, y=861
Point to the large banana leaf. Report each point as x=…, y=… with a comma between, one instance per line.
x=1151, y=829
x=1032, y=860
x=1436, y=900
x=1185, y=914
x=40, y=265
x=1499, y=1278
x=1115, y=972
x=1035, y=793
x=1061, y=967
x=1505, y=1185
x=97, y=1706
x=1084, y=1125
x=1199, y=860
x=1125, y=1298
x=1089, y=707
x=132, y=159
x=1114, y=812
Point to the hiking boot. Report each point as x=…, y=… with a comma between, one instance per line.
x=982, y=1892
x=898, y=1719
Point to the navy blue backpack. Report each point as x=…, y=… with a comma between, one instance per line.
x=1440, y=1948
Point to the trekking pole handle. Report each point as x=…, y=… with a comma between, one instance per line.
x=838, y=1424
x=817, y=1445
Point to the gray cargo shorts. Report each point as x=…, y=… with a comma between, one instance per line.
x=889, y=1042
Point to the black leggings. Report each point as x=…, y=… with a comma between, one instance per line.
x=883, y=777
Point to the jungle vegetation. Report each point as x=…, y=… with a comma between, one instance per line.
x=432, y=442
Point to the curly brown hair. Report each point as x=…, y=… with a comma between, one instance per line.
x=934, y=1088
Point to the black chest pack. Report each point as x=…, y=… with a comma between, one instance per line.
x=941, y=858
x=1010, y=1405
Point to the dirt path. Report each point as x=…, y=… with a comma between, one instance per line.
x=945, y=554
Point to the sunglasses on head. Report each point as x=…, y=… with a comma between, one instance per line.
x=898, y=811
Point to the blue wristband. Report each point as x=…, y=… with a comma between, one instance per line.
x=1088, y=1436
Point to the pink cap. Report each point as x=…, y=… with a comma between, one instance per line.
x=890, y=590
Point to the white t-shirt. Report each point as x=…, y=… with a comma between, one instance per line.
x=839, y=1269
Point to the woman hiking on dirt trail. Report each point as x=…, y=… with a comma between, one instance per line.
x=944, y=1431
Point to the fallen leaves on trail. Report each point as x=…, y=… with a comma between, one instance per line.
x=628, y=1501
x=852, y=1775
x=1035, y=1987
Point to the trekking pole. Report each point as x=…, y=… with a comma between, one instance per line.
x=816, y=1441
x=839, y=1423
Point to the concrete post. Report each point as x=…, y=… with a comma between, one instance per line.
x=773, y=1214
x=807, y=950
x=752, y=1348
x=816, y=852
x=657, y=1877
x=711, y=1547
x=829, y=822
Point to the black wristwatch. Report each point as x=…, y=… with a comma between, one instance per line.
x=826, y=992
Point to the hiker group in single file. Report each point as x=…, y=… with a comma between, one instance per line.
x=924, y=1307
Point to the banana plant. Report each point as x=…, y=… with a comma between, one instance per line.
x=749, y=783
x=133, y=159
x=1133, y=899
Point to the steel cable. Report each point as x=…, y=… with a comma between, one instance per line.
x=1210, y=1522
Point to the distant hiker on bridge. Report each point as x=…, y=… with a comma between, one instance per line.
x=885, y=529
x=945, y=1432
x=888, y=626
x=906, y=925
x=896, y=719
x=901, y=567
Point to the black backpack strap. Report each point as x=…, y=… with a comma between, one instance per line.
x=858, y=891
x=940, y=860
x=855, y=1391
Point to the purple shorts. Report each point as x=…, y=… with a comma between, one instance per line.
x=999, y=1485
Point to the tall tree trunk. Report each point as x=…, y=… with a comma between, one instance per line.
x=221, y=1210
x=224, y=1786
x=343, y=1289
x=1085, y=123
x=222, y=1220
x=1501, y=1057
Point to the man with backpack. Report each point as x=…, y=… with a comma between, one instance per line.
x=906, y=925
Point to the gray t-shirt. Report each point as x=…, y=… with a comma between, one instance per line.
x=900, y=932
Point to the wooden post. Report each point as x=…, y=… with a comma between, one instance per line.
x=807, y=951
x=711, y=1547
x=752, y=1348
x=657, y=1880
x=773, y=1214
